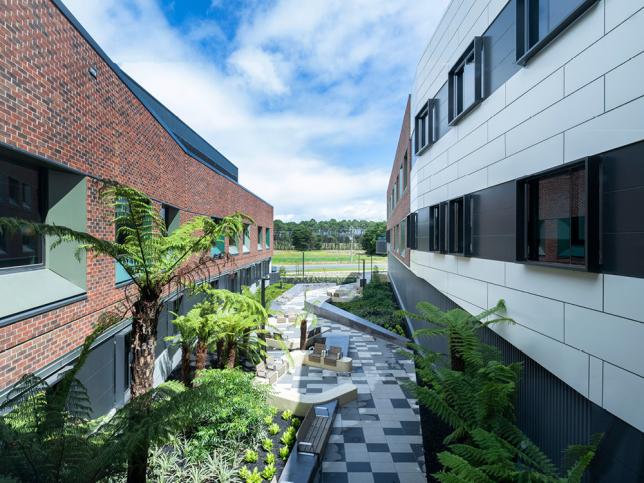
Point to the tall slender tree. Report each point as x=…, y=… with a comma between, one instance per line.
x=156, y=261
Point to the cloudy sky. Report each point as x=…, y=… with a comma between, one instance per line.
x=306, y=97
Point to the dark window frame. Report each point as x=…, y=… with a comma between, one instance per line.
x=460, y=218
x=169, y=214
x=412, y=230
x=425, y=127
x=42, y=208
x=437, y=228
x=475, y=51
x=593, y=205
x=525, y=11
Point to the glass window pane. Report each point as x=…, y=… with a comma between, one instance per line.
x=468, y=82
x=20, y=198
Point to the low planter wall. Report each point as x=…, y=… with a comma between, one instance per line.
x=336, y=314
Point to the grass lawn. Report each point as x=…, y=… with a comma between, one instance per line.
x=291, y=257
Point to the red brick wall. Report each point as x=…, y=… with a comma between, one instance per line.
x=401, y=210
x=51, y=106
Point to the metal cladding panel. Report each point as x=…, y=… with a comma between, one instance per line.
x=494, y=222
x=500, y=49
x=97, y=375
x=549, y=411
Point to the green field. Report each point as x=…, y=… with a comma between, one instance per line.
x=291, y=257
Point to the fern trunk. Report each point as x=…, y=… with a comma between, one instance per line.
x=303, y=335
x=232, y=355
x=201, y=356
x=185, y=364
x=145, y=318
x=220, y=353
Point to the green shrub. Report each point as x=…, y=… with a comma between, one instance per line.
x=378, y=305
x=231, y=412
x=268, y=420
x=267, y=444
x=273, y=411
x=269, y=471
x=288, y=438
x=273, y=429
x=250, y=456
x=295, y=423
x=250, y=477
x=286, y=415
x=270, y=459
x=284, y=452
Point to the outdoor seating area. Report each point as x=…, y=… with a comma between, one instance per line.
x=344, y=293
x=331, y=353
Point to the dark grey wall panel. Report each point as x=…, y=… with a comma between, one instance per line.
x=422, y=230
x=500, y=49
x=97, y=375
x=442, y=99
x=494, y=222
x=622, y=181
x=548, y=410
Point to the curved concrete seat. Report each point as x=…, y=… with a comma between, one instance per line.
x=300, y=404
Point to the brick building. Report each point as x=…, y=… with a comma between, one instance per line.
x=69, y=118
x=398, y=194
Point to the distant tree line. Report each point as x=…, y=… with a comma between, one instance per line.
x=328, y=235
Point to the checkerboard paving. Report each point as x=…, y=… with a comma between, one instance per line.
x=377, y=438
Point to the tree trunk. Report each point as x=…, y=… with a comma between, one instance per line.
x=456, y=360
x=303, y=334
x=185, y=364
x=232, y=355
x=220, y=353
x=201, y=356
x=145, y=317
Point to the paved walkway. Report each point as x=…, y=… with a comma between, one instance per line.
x=377, y=438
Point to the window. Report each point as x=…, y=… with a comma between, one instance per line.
x=466, y=82
x=219, y=248
x=259, y=237
x=540, y=21
x=459, y=237
x=401, y=180
x=21, y=196
x=246, y=246
x=425, y=128
x=403, y=237
x=268, y=237
x=405, y=174
x=233, y=249
x=437, y=228
x=170, y=216
x=558, y=216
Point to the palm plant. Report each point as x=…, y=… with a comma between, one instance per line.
x=155, y=260
x=186, y=339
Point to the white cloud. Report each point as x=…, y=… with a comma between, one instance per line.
x=307, y=86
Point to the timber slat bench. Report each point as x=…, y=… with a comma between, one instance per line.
x=312, y=437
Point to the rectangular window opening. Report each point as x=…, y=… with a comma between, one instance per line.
x=466, y=82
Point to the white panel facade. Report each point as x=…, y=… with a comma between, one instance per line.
x=581, y=95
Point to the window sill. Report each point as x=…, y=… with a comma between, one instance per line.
x=33, y=292
x=539, y=46
x=424, y=149
x=560, y=266
x=465, y=112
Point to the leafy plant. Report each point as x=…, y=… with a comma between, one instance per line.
x=473, y=393
x=270, y=458
x=156, y=261
x=245, y=473
x=295, y=422
x=288, y=437
x=269, y=471
x=273, y=411
x=287, y=414
x=267, y=444
x=268, y=420
x=250, y=456
x=284, y=452
x=273, y=429
x=250, y=476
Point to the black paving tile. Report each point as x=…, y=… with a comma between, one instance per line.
x=334, y=452
x=411, y=428
x=353, y=435
x=377, y=447
x=404, y=457
x=334, y=478
x=400, y=403
x=385, y=478
x=358, y=467
x=394, y=431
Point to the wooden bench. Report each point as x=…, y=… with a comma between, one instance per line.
x=315, y=429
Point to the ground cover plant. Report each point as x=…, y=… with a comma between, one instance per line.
x=293, y=257
x=378, y=305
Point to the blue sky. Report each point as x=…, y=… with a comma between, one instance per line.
x=306, y=97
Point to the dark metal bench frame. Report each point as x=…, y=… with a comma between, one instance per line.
x=315, y=430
